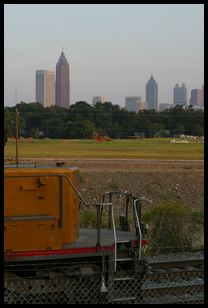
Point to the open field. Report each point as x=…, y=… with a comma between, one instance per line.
x=156, y=148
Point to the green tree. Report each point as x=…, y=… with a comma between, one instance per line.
x=178, y=130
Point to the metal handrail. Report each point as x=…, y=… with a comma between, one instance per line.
x=115, y=237
x=137, y=219
x=138, y=226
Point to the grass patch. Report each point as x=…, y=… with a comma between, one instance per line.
x=154, y=148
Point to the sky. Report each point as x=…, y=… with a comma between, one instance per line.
x=112, y=49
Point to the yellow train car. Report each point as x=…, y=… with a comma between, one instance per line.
x=49, y=258
x=41, y=208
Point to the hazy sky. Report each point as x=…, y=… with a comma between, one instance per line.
x=112, y=49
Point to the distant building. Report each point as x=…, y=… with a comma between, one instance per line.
x=45, y=87
x=142, y=106
x=180, y=95
x=152, y=94
x=197, y=97
x=99, y=99
x=165, y=106
x=134, y=103
x=62, y=82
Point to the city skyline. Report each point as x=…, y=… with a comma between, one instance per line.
x=114, y=58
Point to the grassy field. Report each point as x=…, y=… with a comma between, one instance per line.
x=156, y=148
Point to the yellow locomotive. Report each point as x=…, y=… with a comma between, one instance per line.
x=41, y=209
x=43, y=238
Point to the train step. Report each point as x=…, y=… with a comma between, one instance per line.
x=124, y=259
x=122, y=241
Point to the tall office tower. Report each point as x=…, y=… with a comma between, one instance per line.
x=176, y=94
x=62, y=82
x=152, y=94
x=184, y=100
x=180, y=95
x=197, y=97
x=134, y=103
x=45, y=87
x=99, y=99
x=194, y=100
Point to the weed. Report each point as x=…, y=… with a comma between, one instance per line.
x=81, y=178
x=113, y=186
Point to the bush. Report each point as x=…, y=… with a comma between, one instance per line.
x=88, y=219
x=173, y=227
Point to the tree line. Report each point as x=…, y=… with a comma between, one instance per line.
x=82, y=120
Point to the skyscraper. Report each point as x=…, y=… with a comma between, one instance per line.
x=45, y=87
x=197, y=97
x=152, y=94
x=176, y=94
x=62, y=82
x=180, y=95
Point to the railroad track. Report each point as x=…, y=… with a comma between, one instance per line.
x=177, y=282
x=184, y=264
x=180, y=282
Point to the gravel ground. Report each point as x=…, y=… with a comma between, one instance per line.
x=176, y=257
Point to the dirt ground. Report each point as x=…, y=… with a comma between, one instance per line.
x=161, y=181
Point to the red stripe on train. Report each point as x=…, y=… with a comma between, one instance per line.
x=42, y=253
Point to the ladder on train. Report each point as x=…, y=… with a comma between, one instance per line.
x=118, y=291
x=122, y=282
x=117, y=241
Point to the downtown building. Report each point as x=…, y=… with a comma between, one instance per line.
x=180, y=95
x=62, y=82
x=99, y=99
x=134, y=103
x=45, y=87
x=165, y=106
x=197, y=97
x=152, y=94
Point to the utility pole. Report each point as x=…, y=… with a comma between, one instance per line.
x=17, y=133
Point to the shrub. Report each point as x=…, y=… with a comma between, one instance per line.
x=88, y=219
x=173, y=227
